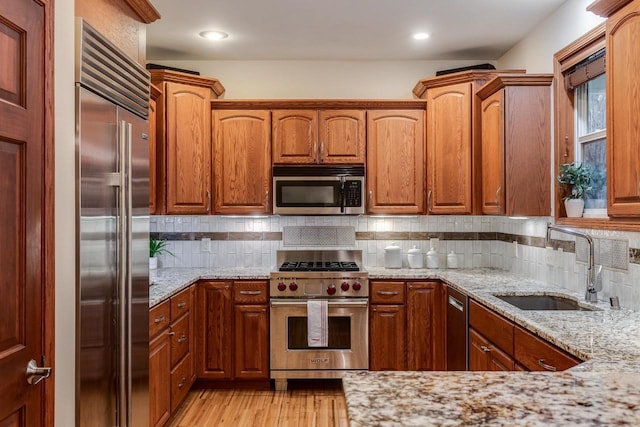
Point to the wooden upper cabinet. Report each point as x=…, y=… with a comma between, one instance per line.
x=395, y=161
x=242, y=161
x=493, y=154
x=295, y=136
x=516, y=145
x=623, y=120
x=184, y=141
x=342, y=136
x=326, y=136
x=153, y=158
x=449, y=149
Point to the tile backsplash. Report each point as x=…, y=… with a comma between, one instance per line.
x=515, y=245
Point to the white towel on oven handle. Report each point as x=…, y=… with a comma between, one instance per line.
x=317, y=323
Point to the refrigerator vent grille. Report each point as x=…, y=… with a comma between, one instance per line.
x=104, y=69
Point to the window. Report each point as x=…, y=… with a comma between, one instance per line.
x=590, y=141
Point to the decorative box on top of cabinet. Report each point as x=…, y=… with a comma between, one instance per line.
x=184, y=141
x=516, y=145
x=453, y=135
x=319, y=136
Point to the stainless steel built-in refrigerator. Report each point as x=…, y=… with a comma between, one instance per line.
x=112, y=183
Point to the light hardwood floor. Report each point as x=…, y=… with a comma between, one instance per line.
x=302, y=405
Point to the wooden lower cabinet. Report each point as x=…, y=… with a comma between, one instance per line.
x=406, y=336
x=233, y=330
x=425, y=326
x=484, y=356
x=159, y=379
x=387, y=338
x=497, y=344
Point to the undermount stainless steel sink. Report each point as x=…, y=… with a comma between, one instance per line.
x=544, y=302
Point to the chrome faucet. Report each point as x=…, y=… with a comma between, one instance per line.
x=591, y=293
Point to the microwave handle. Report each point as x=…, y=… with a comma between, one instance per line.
x=343, y=198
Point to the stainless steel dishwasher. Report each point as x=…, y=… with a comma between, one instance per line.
x=457, y=330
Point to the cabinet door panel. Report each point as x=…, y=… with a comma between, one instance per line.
x=295, y=136
x=251, y=342
x=188, y=139
x=395, y=162
x=536, y=354
x=181, y=339
x=449, y=149
x=160, y=379
x=425, y=349
x=493, y=186
x=623, y=104
x=214, y=330
x=387, y=351
x=242, y=161
x=342, y=136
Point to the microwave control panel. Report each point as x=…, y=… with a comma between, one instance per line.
x=352, y=194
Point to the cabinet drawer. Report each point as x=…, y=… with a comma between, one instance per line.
x=180, y=382
x=492, y=326
x=180, y=304
x=159, y=318
x=537, y=354
x=387, y=292
x=179, y=339
x=250, y=292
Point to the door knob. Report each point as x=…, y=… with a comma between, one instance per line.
x=36, y=374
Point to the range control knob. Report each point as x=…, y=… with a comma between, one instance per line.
x=344, y=286
x=282, y=287
x=293, y=286
x=331, y=289
x=357, y=286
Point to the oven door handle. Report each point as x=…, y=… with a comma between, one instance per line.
x=359, y=303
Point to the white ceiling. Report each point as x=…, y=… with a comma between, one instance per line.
x=342, y=29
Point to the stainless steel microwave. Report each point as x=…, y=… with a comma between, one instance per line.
x=318, y=190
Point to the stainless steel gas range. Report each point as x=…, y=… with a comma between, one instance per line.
x=332, y=276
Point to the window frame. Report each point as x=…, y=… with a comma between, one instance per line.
x=565, y=127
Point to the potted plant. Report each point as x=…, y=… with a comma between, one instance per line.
x=576, y=177
x=157, y=247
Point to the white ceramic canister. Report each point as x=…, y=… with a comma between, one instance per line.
x=415, y=257
x=452, y=260
x=433, y=260
x=392, y=256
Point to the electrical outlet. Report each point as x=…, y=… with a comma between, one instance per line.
x=205, y=244
x=548, y=255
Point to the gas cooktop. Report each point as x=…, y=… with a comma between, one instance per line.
x=319, y=266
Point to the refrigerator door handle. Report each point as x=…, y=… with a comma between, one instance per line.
x=129, y=275
x=124, y=141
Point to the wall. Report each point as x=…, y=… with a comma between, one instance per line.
x=479, y=242
x=535, y=52
x=65, y=293
x=318, y=79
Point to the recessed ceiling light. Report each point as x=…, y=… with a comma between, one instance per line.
x=214, y=35
x=421, y=36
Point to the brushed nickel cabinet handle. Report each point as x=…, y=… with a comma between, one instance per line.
x=208, y=201
x=322, y=152
x=171, y=333
x=485, y=349
x=315, y=151
x=546, y=367
x=182, y=339
x=182, y=304
x=183, y=381
x=159, y=319
x=266, y=201
x=250, y=292
x=429, y=201
x=498, y=195
x=387, y=293
x=370, y=199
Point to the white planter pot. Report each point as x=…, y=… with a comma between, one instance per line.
x=574, y=207
x=153, y=263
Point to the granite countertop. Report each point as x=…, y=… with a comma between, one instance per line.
x=604, y=390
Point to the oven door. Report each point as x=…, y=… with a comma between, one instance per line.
x=348, y=336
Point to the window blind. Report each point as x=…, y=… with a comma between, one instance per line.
x=586, y=70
